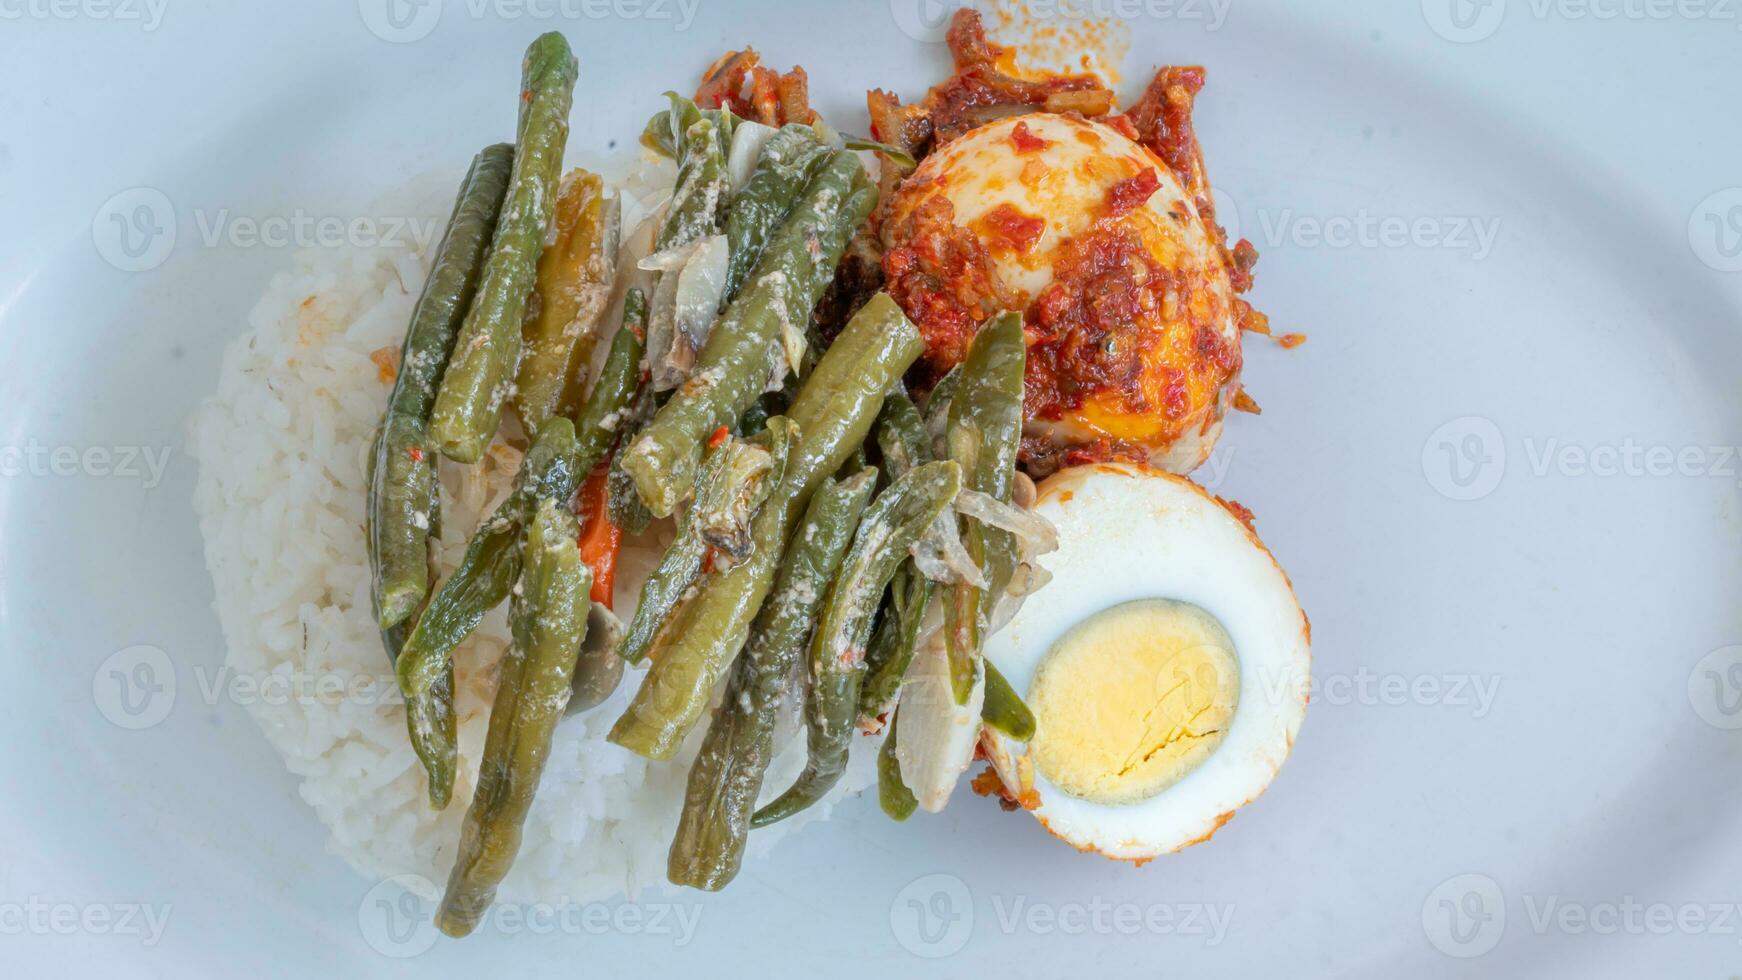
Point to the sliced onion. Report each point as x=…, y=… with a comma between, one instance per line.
x=940, y=556
x=700, y=287
x=681, y=312
x=937, y=734
x=1035, y=535
x=1024, y=582
x=662, y=334
x=748, y=139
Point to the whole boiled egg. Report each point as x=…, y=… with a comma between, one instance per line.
x=1132, y=319
x=1167, y=693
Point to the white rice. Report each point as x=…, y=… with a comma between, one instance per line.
x=280, y=499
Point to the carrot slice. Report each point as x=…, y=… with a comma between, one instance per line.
x=601, y=541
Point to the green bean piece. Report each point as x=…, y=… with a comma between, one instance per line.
x=430, y=726
x=755, y=418
x=892, y=793
x=623, y=501
x=901, y=438
x=492, y=560
x=833, y=413
x=677, y=570
x=892, y=523
x=665, y=131
x=903, y=444
x=549, y=622
x=892, y=646
x=701, y=190
x=727, y=775
x=656, y=135
x=724, y=506
x=1003, y=708
x=937, y=409
x=725, y=124
x=575, y=274
x=857, y=461
x=403, y=479
x=732, y=368
x=606, y=410
x=983, y=434
x=789, y=160
x=429, y=718
x=480, y=377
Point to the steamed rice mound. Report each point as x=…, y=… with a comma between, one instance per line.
x=280, y=497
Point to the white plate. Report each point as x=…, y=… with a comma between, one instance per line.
x=1594, y=799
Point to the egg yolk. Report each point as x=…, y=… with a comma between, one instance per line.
x=1132, y=699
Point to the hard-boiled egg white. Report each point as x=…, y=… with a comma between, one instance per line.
x=1166, y=663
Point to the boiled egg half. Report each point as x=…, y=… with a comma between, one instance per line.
x=1166, y=664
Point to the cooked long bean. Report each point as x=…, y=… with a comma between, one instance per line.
x=699, y=196
x=429, y=718
x=893, y=522
x=833, y=413
x=901, y=437
x=573, y=289
x=1003, y=708
x=789, y=160
x=893, y=644
x=604, y=414
x=492, y=560
x=903, y=443
x=722, y=478
x=430, y=725
x=549, y=623
x=402, y=483
x=732, y=368
x=892, y=793
x=479, y=378
x=983, y=434
x=727, y=775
